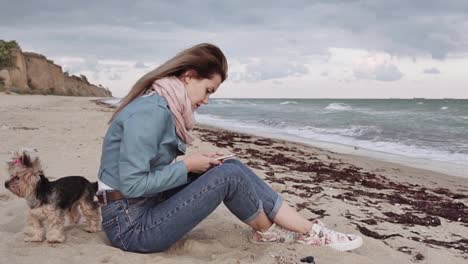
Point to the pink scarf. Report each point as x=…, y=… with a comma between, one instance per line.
x=173, y=90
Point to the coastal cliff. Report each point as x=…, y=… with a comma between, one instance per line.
x=32, y=73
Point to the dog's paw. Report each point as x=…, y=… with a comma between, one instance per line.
x=33, y=239
x=92, y=229
x=55, y=238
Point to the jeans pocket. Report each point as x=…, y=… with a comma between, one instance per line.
x=136, y=208
x=111, y=209
x=113, y=232
x=110, y=224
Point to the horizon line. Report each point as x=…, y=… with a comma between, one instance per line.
x=338, y=98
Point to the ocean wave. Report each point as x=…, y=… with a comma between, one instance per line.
x=199, y=117
x=444, y=108
x=368, y=132
x=288, y=102
x=230, y=102
x=349, y=136
x=223, y=101
x=420, y=103
x=112, y=102
x=338, y=107
x=359, y=131
x=274, y=123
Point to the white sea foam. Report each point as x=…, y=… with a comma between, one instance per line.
x=353, y=131
x=223, y=101
x=288, y=102
x=338, y=107
x=114, y=102
x=444, y=108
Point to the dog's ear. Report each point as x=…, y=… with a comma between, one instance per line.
x=25, y=159
x=36, y=164
x=30, y=161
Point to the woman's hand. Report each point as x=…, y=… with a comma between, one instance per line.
x=201, y=162
x=213, y=154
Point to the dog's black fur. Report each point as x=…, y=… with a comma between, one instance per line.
x=67, y=191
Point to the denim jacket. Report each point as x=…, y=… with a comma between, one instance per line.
x=139, y=148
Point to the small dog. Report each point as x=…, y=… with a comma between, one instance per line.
x=51, y=201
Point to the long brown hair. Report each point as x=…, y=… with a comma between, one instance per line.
x=205, y=59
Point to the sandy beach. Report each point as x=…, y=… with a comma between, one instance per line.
x=405, y=215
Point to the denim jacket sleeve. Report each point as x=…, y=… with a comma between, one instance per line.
x=143, y=132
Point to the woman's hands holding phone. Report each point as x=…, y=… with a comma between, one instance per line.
x=201, y=162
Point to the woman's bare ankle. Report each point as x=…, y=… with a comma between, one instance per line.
x=261, y=223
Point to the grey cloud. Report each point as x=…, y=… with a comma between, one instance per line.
x=271, y=68
x=88, y=64
x=388, y=74
x=115, y=76
x=385, y=72
x=140, y=65
x=153, y=30
x=431, y=71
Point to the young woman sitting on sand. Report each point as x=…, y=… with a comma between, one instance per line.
x=150, y=200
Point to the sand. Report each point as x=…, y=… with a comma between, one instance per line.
x=405, y=215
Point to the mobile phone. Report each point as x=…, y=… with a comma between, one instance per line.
x=226, y=157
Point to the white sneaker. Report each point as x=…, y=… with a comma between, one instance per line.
x=319, y=235
x=275, y=233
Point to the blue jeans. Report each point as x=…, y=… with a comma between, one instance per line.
x=154, y=224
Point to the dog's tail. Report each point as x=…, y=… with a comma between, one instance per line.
x=90, y=193
x=93, y=186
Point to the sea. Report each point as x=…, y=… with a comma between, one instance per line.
x=424, y=133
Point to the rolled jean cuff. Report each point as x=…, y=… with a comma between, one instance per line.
x=274, y=212
x=254, y=215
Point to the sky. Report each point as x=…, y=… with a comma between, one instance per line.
x=275, y=49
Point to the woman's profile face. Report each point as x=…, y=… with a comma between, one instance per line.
x=199, y=90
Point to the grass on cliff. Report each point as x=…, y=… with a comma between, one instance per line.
x=5, y=47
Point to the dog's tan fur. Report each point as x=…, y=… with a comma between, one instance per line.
x=46, y=218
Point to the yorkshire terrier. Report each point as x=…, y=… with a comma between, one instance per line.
x=51, y=201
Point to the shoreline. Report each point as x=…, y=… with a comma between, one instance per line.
x=404, y=214
x=445, y=168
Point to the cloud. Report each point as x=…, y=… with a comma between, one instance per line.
x=260, y=69
x=431, y=71
x=115, y=76
x=377, y=67
x=244, y=28
x=140, y=65
x=270, y=41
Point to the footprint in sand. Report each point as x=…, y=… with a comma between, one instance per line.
x=15, y=225
x=105, y=259
x=203, y=248
x=5, y=197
